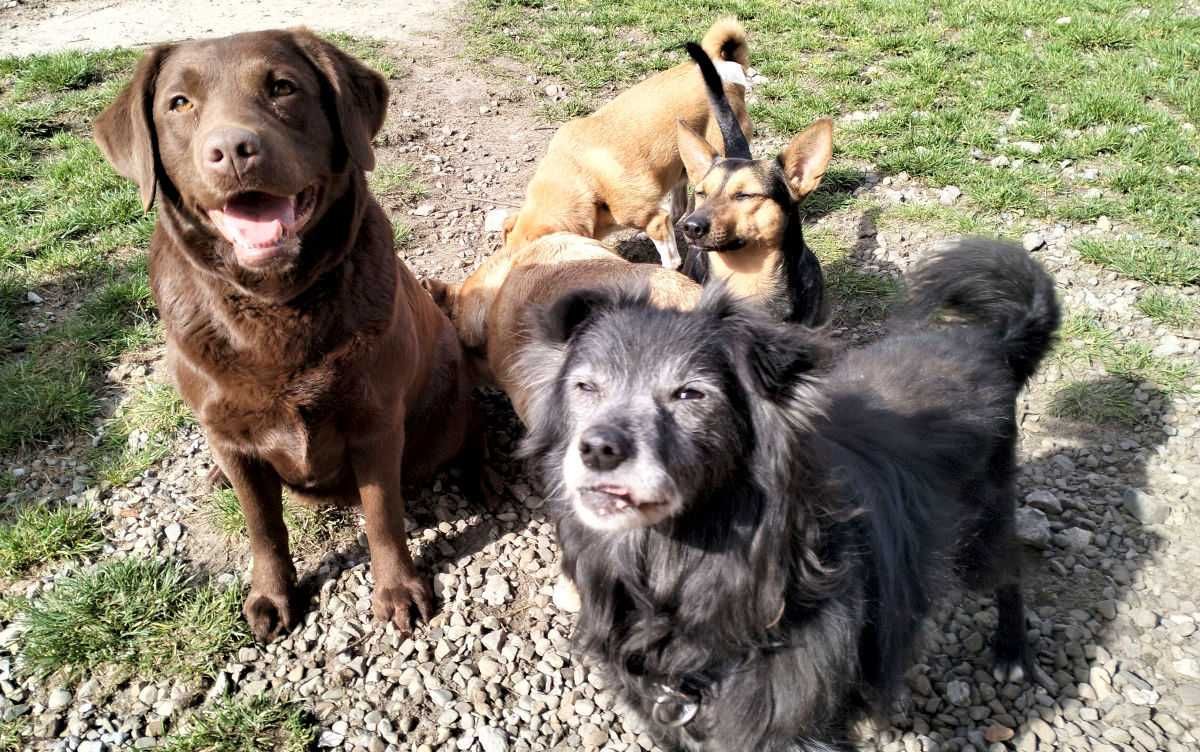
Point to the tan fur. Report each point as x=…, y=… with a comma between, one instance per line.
x=489, y=309
x=612, y=168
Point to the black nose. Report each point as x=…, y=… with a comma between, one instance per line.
x=231, y=150
x=604, y=447
x=696, y=226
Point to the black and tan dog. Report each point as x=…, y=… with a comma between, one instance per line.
x=746, y=227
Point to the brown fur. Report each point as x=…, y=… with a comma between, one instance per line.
x=490, y=309
x=613, y=168
x=332, y=372
x=748, y=208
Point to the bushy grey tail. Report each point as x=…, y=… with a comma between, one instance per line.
x=995, y=284
x=736, y=145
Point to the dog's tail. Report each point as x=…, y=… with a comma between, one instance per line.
x=997, y=285
x=726, y=40
x=736, y=146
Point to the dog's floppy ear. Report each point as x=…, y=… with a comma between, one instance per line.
x=806, y=157
x=125, y=130
x=697, y=154
x=360, y=95
x=560, y=320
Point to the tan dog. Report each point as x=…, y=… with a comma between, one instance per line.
x=489, y=309
x=613, y=168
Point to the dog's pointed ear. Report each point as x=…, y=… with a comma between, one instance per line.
x=697, y=154
x=125, y=130
x=559, y=321
x=806, y=158
x=360, y=95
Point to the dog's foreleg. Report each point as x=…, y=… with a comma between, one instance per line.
x=661, y=230
x=1010, y=647
x=398, y=586
x=269, y=608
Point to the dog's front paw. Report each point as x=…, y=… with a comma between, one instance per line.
x=1013, y=663
x=270, y=615
x=395, y=603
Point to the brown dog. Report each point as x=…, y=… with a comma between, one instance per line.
x=310, y=355
x=490, y=308
x=613, y=168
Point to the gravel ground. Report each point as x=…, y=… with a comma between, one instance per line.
x=1111, y=517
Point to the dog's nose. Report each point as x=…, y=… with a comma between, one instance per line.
x=231, y=150
x=604, y=447
x=695, y=227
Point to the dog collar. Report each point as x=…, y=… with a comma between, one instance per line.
x=674, y=707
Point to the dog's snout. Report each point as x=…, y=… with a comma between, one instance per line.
x=231, y=150
x=604, y=447
x=696, y=226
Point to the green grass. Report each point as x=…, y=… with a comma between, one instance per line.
x=1085, y=339
x=245, y=725
x=1169, y=308
x=12, y=735
x=308, y=528
x=140, y=433
x=397, y=181
x=373, y=52
x=1101, y=403
x=68, y=228
x=1113, y=88
x=1148, y=262
x=147, y=616
x=856, y=293
x=42, y=534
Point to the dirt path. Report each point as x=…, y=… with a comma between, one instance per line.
x=41, y=26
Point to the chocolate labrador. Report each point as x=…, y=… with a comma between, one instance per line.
x=308, y=352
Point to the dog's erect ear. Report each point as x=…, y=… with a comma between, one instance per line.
x=697, y=154
x=360, y=95
x=806, y=157
x=125, y=130
x=559, y=321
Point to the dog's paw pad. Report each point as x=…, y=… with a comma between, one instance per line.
x=269, y=616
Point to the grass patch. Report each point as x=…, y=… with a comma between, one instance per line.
x=398, y=181
x=245, y=725
x=12, y=735
x=1084, y=338
x=1169, y=308
x=42, y=534
x=1101, y=403
x=1148, y=262
x=67, y=224
x=954, y=87
x=308, y=528
x=857, y=294
x=374, y=52
x=140, y=433
x=148, y=616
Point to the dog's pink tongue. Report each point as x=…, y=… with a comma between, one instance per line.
x=258, y=220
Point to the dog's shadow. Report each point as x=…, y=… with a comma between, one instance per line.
x=1077, y=589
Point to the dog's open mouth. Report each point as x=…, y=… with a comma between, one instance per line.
x=610, y=501
x=263, y=227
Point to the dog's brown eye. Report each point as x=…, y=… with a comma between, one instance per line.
x=282, y=88
x=180, y=104
x=688, y=393
x=742, y=196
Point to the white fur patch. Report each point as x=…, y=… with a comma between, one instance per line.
x=731, y=72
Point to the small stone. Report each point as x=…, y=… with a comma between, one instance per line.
x=1032, y=241
x=1029, y=147
x=59, y=699
x=997, y=733
x=1075, y=538
x=329, y=739
x=1044, y=500
x=592, y=735
x=33, y=297
x=958, y=692
x=1062, y=20
x=1000, y=161
x=91, y=745
x=949, y=195
x=440, y=697
x=492, y=739
x=496, y=591
x=1033, y=528
x=174, y=532
x=424, y=209
x=493, y=221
